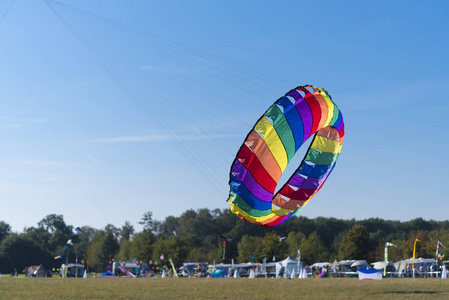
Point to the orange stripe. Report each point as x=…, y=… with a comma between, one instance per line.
x=263, y=153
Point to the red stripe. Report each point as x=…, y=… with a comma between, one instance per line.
x=300, y=194
x=275, y=222
x=315, y=108
x=252, y=163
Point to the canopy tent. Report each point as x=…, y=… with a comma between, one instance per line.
x=288, y=266
x=320, y=265
x=380, y=265
x=405, y=266
x=360, y=264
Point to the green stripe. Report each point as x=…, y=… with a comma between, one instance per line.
x=335, y=116
x=283, y=130
x=238, y=201
x=321, y=158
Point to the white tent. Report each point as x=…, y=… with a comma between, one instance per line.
x=288, y=265
x=380, y=265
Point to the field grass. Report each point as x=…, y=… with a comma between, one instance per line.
x=225, y=288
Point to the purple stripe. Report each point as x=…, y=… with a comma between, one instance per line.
x=295, y=95
x=306, y=116
x=340, y=127
x=304, y=111
x=241, y=173
x=310, y=183
x=296, y=180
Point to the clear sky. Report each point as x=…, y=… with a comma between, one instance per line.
x=101, y=121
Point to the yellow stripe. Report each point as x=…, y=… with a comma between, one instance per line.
x=237, y=210
x=269, y=134
x=330, y=105
x=282, y=211
x=325, y=145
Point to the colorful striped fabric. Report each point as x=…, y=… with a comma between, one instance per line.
x=270, y=146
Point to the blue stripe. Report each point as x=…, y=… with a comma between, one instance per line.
x=294, y=120
x=315, y=171
x=339, y=119
x=240, y=189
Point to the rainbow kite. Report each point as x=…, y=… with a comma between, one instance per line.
x=270, y=146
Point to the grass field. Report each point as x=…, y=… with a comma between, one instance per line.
x=225, y=288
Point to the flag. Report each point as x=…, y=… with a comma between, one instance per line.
x=69, y=242
x=78, y=229
x=59, y=256
x=299, y=254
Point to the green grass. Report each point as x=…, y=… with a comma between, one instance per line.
x=225, y=288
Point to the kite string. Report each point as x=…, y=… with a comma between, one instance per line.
x=124, y=83
x=7, y=11
x=111, y=44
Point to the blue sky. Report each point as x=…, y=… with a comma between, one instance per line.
x=159, y=130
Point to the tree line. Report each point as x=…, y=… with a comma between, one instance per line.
x=216, y=236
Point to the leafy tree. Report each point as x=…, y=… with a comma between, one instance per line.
x=294, y=241
x=250, y=249
x=169, y=227
x=103, y=248
x=272, y=245
x=124, y=253
x=83, y=240
x=147, y=221
x=313, y=249
x=126, y=232
x=39, y=235
x=355, y=244
x=18, y=252
x=195, y=226
x=420, y=250
x=5, y=230
x=174, y=248
x=142, y=246
x=54, y=222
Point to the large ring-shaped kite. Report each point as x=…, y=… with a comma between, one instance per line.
x=272, y=143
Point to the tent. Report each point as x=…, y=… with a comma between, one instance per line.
x=72, y=270
x=288, y=266
x=36, y=271
x=380, y=265
x=421, y=265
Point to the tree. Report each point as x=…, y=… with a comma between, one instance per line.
x=294, y=241
x=124, y=253
x=147, y=221
x=313, y=249
x=169, y=226
x=272, y=246
x=355, y=244
x=250, y=249
x=420, y=250
x=142, y=246
x=174, y=248
x=395, y=253
x=5, y=230
x=102, y=250
x=54, y=222
x=126, y=232
x=18, y=252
